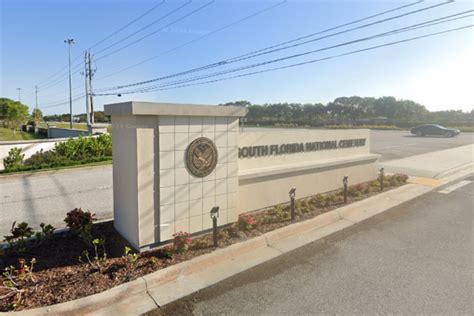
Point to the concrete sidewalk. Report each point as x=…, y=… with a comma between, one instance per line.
x=438, y=164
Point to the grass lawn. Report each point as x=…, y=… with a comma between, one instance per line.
x=7, y=134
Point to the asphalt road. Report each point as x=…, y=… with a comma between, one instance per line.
x=48, y=197
x=413, y=259
x=401, y=144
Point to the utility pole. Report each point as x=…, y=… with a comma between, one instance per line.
x=19, y=94
x=70, y=41
x=86, y=76
x=91, y=74
x=36, y=96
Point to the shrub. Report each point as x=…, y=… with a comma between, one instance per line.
x=319, y=200
x=246, y=222
x=280, y=212
x=181, y=241
x=46, y=232
x=19, y=235
x=130, y=256
x=80, y=223
x=14, y=160
x=330, y=199
x=398, y=179
x=71, y=152
x=356, y=190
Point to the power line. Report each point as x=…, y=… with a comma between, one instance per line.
x=160, y=29
x=197, y=39
x=437, y=21
x=317, y=60
x=128, y=24
x=145, y=27
x=103, y=40
x=409, y=28
x=262, y=52
x=63, y=103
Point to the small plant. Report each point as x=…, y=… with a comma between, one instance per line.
x=356, y=190
x=154, y=260
x=14, y=160
x=16, y=280
x=45, y=233
x=397, y=179
x=246, y=222
x=330, y=199
x=99, y=260
x=80, y=223
x=224, y=235
x=181, y=241
x=319, y=200
x=131, y=257
x=19, y=235
x=280, y=212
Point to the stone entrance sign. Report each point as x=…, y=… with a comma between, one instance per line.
x=172, y=164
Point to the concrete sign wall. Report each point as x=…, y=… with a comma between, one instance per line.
x=272, y=161
x=174, y=162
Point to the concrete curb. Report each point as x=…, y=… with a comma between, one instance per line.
x=167, y=285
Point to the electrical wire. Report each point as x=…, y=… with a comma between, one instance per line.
x=145, y=27
x=101, y=41
x=128, y=24
x=196, y=39
x=154, y=32
x=429, y=23
x=298, y=55
x=261, y=52
x=316, y=60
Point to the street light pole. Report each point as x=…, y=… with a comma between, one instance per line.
x=19, y=94
x=69, y=42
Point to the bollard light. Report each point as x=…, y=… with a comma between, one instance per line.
x=382, y=175
x=292, y=194
x=214, y=216
x=345, y=182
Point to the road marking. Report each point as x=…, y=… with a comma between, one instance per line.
x=455, y=186
x=104, y=187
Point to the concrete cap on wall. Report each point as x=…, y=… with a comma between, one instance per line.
x=172, y=109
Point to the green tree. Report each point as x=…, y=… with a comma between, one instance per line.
x=13, y=113
x=37, y=116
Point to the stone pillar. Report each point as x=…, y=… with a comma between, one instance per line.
x=171, y=164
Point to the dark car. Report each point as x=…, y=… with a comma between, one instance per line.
x=433, y=129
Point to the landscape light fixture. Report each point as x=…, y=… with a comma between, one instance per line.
x=292, y=194
x=214, y=216
x=70, y=42
x=382, y=175
x=345, y=182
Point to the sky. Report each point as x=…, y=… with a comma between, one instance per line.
x=435, y=71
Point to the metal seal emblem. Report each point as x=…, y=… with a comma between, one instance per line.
x=201, y=157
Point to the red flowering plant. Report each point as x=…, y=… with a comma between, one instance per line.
x=181, y=241
x=246, y=222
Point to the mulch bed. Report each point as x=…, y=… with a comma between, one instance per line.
x=62, y=273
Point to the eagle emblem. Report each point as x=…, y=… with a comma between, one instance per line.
x=201, y=157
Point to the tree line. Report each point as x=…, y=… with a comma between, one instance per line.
x=99, y=117
x=353, y=110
